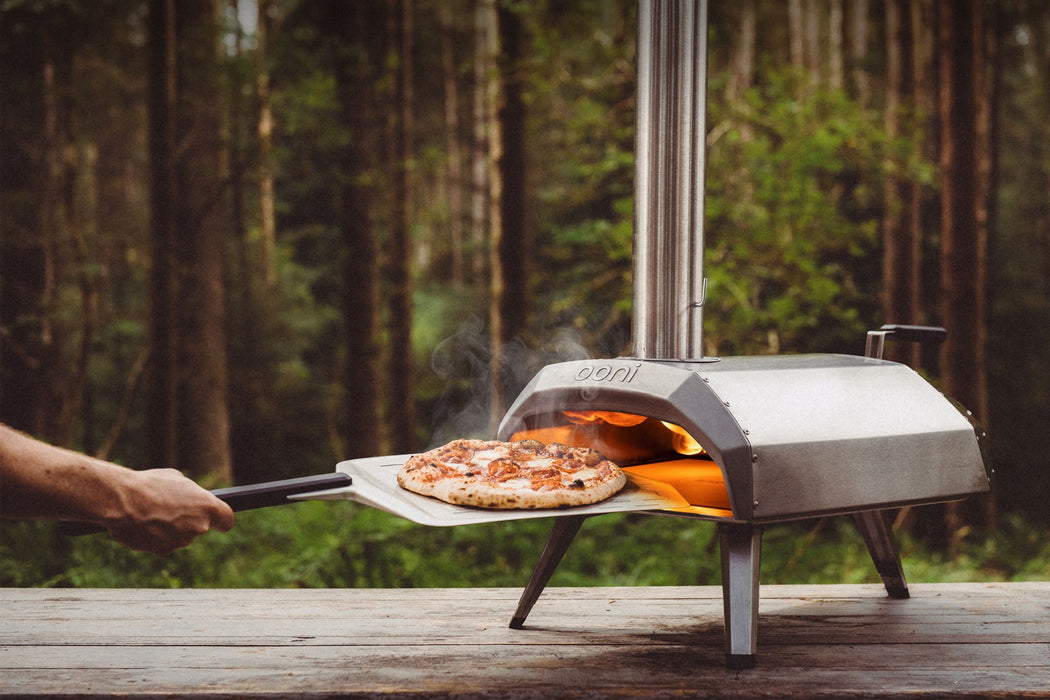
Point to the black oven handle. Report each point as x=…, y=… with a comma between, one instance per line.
x=915, y=334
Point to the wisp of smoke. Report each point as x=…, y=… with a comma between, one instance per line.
x=463, y=362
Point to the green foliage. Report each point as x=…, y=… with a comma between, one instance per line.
x=321, y=544
x=584, y=227
x=794, y=188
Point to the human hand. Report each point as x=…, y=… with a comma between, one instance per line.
x=165, y=511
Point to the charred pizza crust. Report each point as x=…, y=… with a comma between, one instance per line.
x=512, y=475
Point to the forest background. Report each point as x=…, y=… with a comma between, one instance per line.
x=249, y=239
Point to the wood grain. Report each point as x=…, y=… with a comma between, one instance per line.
x=948, y=640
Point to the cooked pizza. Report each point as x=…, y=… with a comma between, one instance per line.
x=512, y=475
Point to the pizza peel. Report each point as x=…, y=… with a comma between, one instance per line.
x=372, y=481
x=374, y=484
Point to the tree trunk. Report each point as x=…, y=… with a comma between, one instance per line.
x=962, y=241
x=901, y=244
x=514, y=248
x=835, y=63
x=925, y=215
x=453, y=155
x=510, y=230
x=811, y=24
x=201, y=220
x=796, y=34
x=234, y=138
x=401, y=412
x=962, y=254
x=264, y=135
x=858, y=43
x=61, y=228
x=483, y=145
x=487, y=212
x=162, y=413
x=742, y=62
x=356, y=90
x=246, y=307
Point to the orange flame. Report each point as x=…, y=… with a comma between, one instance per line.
x=682, y=442
x=624, y=420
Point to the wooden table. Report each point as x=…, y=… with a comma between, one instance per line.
x=958, y=640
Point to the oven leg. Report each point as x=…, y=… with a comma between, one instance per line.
x=741, y=548
x=879, y=540
x=558, y=542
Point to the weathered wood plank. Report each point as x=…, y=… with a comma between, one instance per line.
x=353, y=616
x=959, y=640
x=560, y=671
x=19, y=658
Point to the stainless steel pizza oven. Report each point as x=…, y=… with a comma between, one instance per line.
x=745, y=441
x=748, y=441
x=774, y=438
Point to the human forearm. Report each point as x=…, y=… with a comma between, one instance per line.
x=45, y=482
x=155, y=510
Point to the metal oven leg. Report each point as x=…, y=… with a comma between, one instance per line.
x=558, y=542
x=741, y=547
x=879, y=540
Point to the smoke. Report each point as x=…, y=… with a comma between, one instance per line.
x=462, y=364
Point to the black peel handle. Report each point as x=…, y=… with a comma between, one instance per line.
x=247, y=497
x=276, y=493
x=916, y=334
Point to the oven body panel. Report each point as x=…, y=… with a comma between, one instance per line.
x=839, y=433
x=794, y=436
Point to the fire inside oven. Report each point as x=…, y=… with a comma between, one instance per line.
x=642, y=445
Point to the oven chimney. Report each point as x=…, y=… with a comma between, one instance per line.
x=669, y=179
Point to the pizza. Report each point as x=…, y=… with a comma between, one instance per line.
x=512, y=475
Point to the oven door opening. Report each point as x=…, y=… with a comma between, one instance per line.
x=645, y=446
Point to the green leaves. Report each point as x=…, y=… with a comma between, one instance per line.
x=324, y=544
x=795, y=176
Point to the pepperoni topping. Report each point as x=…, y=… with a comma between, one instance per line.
x=502, y=469
x=527, y=464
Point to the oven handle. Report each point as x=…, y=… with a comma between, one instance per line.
x=916, y=334
x=247, y=497
x=911, y=334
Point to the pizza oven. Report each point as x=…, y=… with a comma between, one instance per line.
x=744, y=441
x=748, y=441
x=763, y=438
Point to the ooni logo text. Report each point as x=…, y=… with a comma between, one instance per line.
x=606, y=372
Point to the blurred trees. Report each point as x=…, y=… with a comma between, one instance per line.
x=356, y=75
x=387, y=220
x=188, y=424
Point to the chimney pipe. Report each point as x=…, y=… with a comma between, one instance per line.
x=669, y=179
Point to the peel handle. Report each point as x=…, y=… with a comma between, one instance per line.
x=247, y=497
